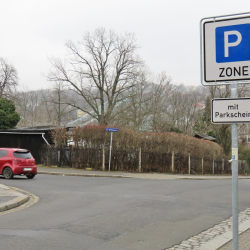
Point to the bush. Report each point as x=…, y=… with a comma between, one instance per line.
x=244, y=153
x=91, y=143
x=95, y=137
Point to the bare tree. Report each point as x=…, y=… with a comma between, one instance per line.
x=21, y=101
x=29, y=107
x=99, y=69
x=177, y=99
x=192, y=110
x=132, y=113
x=8, y=78
x=43, y=107
x=185, y=106
x=221, y=91
x=145, y=108
x=159, y=104
x=56, y=98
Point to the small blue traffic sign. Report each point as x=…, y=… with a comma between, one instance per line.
x=111, y=129
x=232, y=43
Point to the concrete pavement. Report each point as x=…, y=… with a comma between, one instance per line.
x=244, y=242
x=218, y=237
x=9, y=198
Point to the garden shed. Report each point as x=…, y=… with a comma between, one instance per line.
x=31, y=138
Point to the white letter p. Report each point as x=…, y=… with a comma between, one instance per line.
x=227, y=44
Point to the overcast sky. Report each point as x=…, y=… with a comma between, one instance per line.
x=166, y=30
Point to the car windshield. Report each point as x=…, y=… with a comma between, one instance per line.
x=23, y=154
x=3, y=153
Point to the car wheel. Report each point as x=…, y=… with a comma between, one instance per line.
x=8, y=173
x=30, y=176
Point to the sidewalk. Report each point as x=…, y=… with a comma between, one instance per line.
x=10, y=198
x=244, y=242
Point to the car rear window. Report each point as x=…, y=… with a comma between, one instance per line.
x=22, y=154
x=3, y=153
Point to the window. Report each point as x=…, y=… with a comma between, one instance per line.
x=3, y=153
x=23, y=154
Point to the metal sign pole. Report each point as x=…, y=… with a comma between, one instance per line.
x=111, y=130
x=217, y=59
x=110, y=150
x=234, y=94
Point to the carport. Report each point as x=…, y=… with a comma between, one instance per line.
x=33, y=139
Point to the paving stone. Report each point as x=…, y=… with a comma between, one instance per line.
x=197, y=241
x=244, y=242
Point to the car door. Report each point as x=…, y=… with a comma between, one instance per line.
x=3, y=159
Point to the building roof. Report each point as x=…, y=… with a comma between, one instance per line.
x=36, y=128
x=28, y=130
x=205, y=137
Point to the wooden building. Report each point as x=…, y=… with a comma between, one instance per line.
x=33, y=139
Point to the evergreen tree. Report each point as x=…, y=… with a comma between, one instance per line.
x=221, y=132
x=8, y=116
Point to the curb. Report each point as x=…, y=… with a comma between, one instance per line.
x=19, y=200
x=84, y=175
x=171, y=177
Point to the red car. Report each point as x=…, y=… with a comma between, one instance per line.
x=16, y=161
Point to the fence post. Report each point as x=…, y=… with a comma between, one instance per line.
x=172, y=161
x=239, y=166
x=202, y=165
x=59, y=157
x=103, y=157
x=47, y=158
x=70, y=156
x=189, y=164
x=223, y=166
x=140, y=159
x=213, y=166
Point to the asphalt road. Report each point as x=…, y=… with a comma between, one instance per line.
x=115, y=214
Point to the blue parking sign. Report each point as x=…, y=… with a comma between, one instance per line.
x=233, y=43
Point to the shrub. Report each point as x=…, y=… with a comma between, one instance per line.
x=95, y=136
x=244, y=153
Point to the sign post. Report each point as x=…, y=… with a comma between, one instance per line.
x=234, y=93
x=225, y=49
x=225, y=59
x=111, y=130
